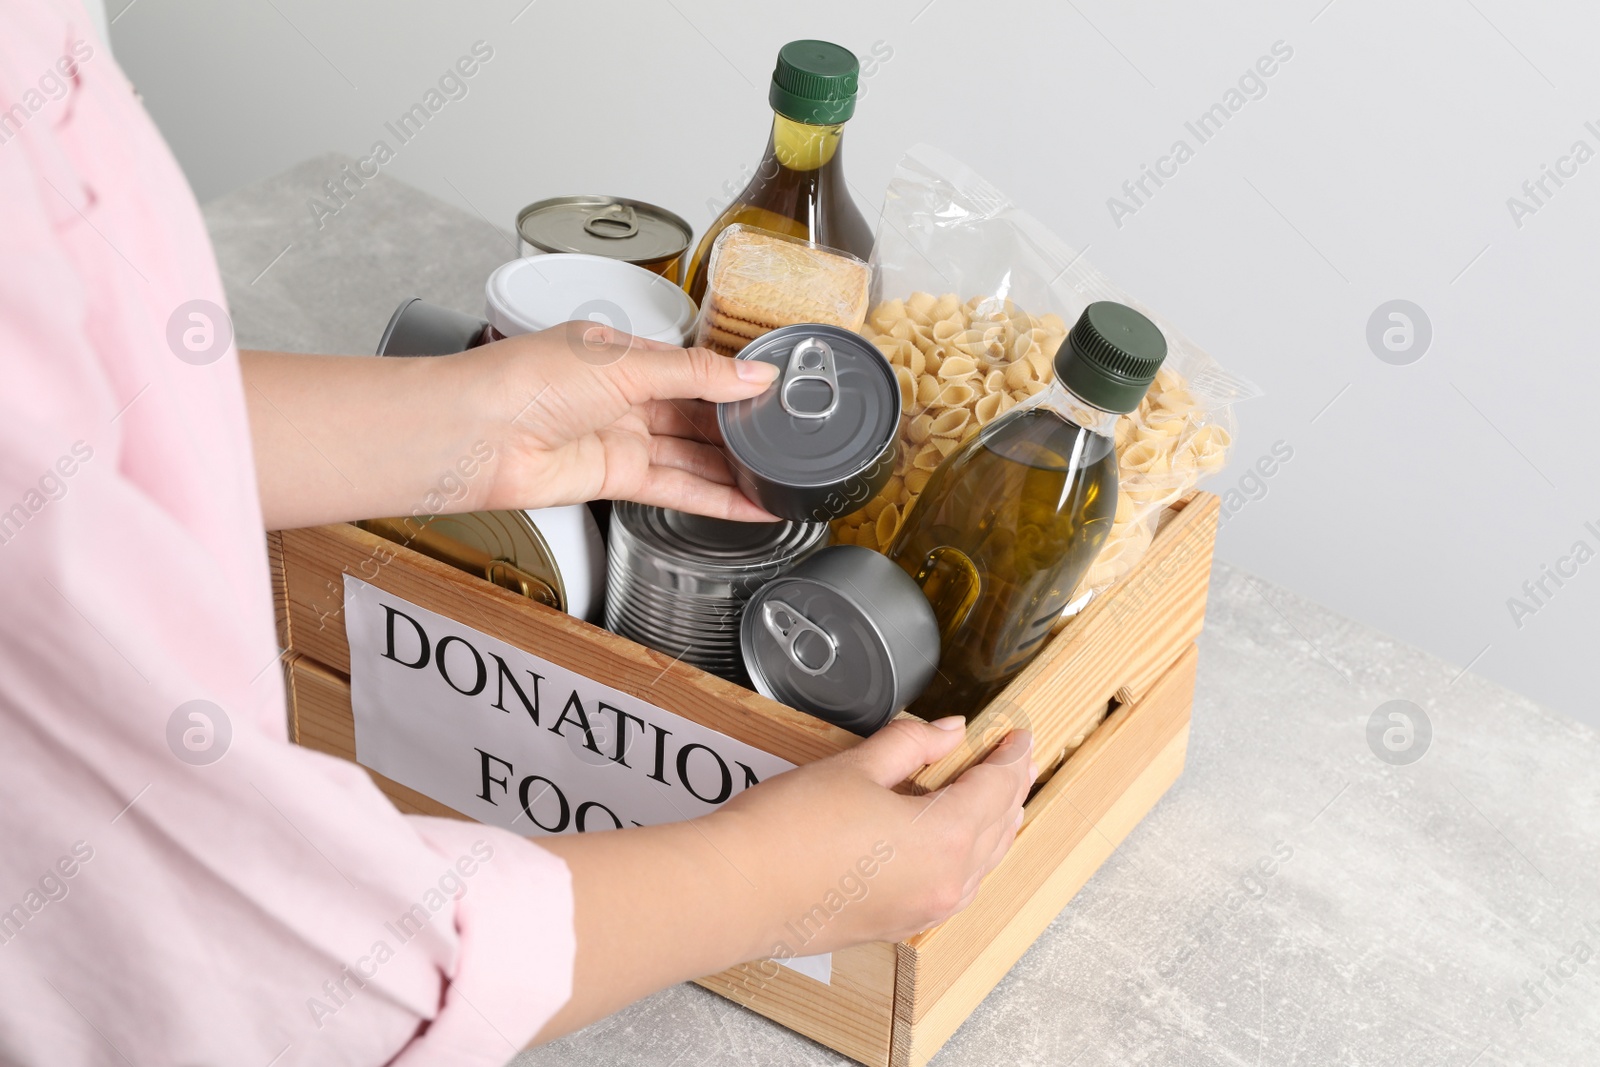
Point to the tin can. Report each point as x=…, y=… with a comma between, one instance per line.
x=418, y=328
x=820, y=442
x=537, y=292
x=504, y=547
x=612, y=226
x=678, y=582
x=846, y=636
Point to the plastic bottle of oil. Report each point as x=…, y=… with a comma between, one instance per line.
x=1012, y=520
x=799, y=188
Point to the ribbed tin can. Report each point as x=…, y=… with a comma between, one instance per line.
x=846, y=635
x=820, y=442
x=678, y=582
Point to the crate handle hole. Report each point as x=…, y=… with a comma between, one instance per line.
x=1059, y=759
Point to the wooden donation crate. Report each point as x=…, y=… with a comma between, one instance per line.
x=1108, y=701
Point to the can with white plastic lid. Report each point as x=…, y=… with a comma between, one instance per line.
x=537, y=292
x=846, y=636
x=820, y=442
x=611, y=226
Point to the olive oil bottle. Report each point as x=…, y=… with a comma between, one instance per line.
x=1011, y=520
x=798, y=189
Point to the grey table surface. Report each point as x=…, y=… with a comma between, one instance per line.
x=1442, y=912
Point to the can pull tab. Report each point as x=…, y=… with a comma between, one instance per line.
x=508, y=576
x=790, y=628
x=810, y=361
x=616, y=221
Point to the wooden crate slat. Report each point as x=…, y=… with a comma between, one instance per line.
x=322, y=720
x=853, y=1015
x=1115, y=649
x=315, y=562
x=280, y=589
x=943, y=1018
x=320, y=716
x=1072, y=825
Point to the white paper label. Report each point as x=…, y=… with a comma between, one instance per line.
x=513, y=740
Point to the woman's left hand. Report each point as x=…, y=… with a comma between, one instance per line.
x=573, y=413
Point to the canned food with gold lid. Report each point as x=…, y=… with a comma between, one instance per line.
x=611, y=226
x=504, y=547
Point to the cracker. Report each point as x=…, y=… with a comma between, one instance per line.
x=733, y=342
x=770, y=281
x=720, y=320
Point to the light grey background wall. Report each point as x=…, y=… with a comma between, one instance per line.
x=98, y=18
x=1375, y=164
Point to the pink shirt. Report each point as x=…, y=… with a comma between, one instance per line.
x=155, y=909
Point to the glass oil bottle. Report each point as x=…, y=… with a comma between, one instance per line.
x=1013, y=519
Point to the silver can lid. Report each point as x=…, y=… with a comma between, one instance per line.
x=696, y=554
x=835, y=638
x=715, y=543
x=609, y=226
x=833, y=409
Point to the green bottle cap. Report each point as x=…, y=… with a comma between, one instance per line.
x=815, y=83
x=1111, y=356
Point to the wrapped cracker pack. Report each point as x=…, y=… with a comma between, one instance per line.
x=759, y=281
x=971, y=299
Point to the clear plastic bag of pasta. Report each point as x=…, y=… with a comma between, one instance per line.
x=971, y=298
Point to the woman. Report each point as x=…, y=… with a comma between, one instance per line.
x=157, y=911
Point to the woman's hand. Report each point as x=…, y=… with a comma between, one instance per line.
x=899, y=864
x=819, y=858
x=587, y=412
x=569, y=414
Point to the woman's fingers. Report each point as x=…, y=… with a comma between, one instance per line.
x=675, y=373
x=904, y=747
x=989, y=862
x=694, y=419
x=669, y=487
x=992, y=791
x=1008, y=836
x=670, y=472
x=702, y=460
x=988, y=799
x=1013, y=757
x=599, y=340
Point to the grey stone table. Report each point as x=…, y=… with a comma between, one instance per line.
x=1442, y=912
